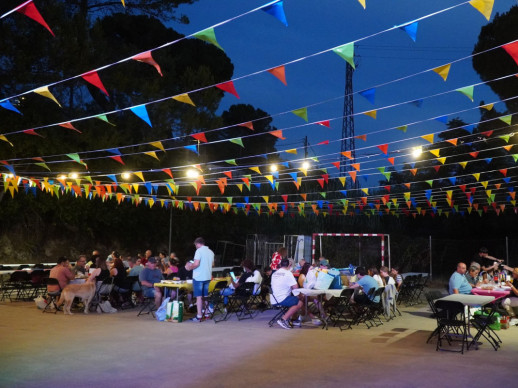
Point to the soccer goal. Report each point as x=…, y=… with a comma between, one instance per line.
x=361, y=248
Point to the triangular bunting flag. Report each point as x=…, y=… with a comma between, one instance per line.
x=443, y=71
x=369, y=94
x=237, y=141
x=302, y=113
x=141, y=113
x=467, y=91
x=485, y=7
x=346, y=51
x=411, y=30
x=30, y=10
x=184, y=98
x=279, y=73
x=146, y=57
x=44, y=91
x=208, y=36
x=93, y=78
x=277, y=11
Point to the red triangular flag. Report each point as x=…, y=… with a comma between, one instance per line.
x=503, y=171
x=407, y=185
x=228, y=173
x=487, y=133
x=117, y=158
x=279, y=73
x=336, y=164
x=69, y=126
x=168, y=172
x=325, y=142
x=285, y=197
x=326, y=177
x=321, y=182
x=147, y=58
x=228, y=87
x=512, y=50
x=436, y=168
x=324, y=123
x=463, y=188
x=383, y=148
x=248, y=125
x=388, y=188
x=32, y=12
x=200, y=137
x=391, y=160
x=31, y=132
x=93, y=78
x=474, y=154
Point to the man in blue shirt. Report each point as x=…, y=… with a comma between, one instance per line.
x=148, y=277
x=458, y=282
x=201, y=273
x=366, y=282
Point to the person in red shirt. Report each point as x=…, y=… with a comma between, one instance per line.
x=277, y=257
x=146, y=257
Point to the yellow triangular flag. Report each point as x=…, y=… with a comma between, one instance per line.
x=292, y=151
x=484, y=184
x=477, y=176
x=443, y=71
x=266, y=198
x=442, y=160
x=342, y=180
x=256, y=169
x=362, y=2
x=135, y=187
x=463, y=164
x=366, y=191
x=487, y=106
x=485, y=7
x=269, y=177
x=2, y=137
x=157, y=144
x=152, y=154
x=428, y=137
x=435, y=152
x=184, y=98
x=140, y=175
x=240, y=186
x=371, y=113
x=44, y=91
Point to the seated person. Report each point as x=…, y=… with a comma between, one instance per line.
x=373, y=272
x=512, y=301
x=311, y=276
x=365, y=283
x=394, y=272
x=387, y=279
x=283, y=282
x=118, y=273
x=80, y=267
x=303, y=273
x=172, y=268
x=62, y=272
x=458, y=282
x=473, y=276
x=148, y=277
x=248, y=275
x=100, y=272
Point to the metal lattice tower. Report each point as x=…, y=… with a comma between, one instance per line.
x=348, y=143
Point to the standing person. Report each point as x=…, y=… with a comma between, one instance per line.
x=202, y=273
x=489, y=263
x=283, y=282
x=277, y=257
x=62, y=272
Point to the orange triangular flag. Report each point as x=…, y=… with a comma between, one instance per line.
x=277, y=133
x=452, y=141
x=347, y=154
x=279, y=72
x=248, y=125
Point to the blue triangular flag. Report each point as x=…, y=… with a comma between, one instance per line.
x=428, y=194
x=155, y=188
x=7, y=105
x=275, y=174
x=246, y=199
x=369, y=94
x=442, y=119
x=366, y=177
x=277, y=11
x=453, y=180
x=411, y=30
x=488, y=160
x=469, y=128
x=114, y=151
x=272, y=183
x=344, y=192
x=11, y=169
x=285, y=164
x=112, y=177
x=412, y=164
x=507, y=180
x=293, y=176
x=258, y=185
x=320, y=204
x=192, y=148
x=141, y=112
x=148, y=187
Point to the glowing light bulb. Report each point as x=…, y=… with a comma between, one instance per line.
x=416, y=152
x=305, y=165
x=191, y=173
x=126, y=175
x=73, y=175
x=273, y=168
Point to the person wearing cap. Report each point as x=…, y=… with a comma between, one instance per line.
x=148, y=277
x=512, y=301
x=201, y=268
x=366, y=283
x=473, y=276
x=283, y=282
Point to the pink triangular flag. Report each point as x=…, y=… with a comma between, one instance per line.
x=148, y=58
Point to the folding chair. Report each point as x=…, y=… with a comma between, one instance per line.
x=339, y=310
x=20, y=285
x=452, y=323
x=148, y=306
x=281, y=310
x=375, y=309
x=431, y=297
x=217, y=301
x=483, y=324
x=102, y=293
x=52, y=296
x=238, y=302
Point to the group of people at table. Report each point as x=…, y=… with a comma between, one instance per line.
x=283, y=283
x=487, y=274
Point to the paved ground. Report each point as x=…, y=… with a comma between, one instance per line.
x=123, y=350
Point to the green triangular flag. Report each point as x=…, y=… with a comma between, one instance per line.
x=323, y=194
x=209, y=36
x=346, y=52
x=104, y=118
x=403, y=128
x=74, y=157
x=515, y=157
x=229, y=199
x=231, y=161
x=302, y=113
x=506, y=119
x=430, y=182
x=314, y=158
x=237, y=141
x=505, y=137
x=44, y=165
x=467, y=91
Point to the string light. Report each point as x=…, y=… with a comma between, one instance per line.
x=192, y=173
x=416, y=152
x=126, y=175
x=273, y=168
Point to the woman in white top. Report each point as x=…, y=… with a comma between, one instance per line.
x=373, y=271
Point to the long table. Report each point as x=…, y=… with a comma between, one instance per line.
x=187, y=286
